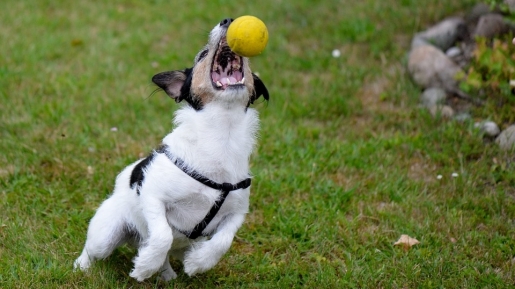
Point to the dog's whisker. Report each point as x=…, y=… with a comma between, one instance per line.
x=153, y=92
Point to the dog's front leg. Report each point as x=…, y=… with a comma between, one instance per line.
x=204, y=255
x=154, y=251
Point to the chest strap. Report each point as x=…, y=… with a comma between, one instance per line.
x=225, y=188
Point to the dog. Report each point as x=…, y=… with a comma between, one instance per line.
x=189, y=197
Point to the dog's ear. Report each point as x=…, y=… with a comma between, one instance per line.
x=172, y=82
x=259, y=89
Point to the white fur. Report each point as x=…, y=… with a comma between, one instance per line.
x=215, y=141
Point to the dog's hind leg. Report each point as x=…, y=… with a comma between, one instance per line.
x=167, y=273
x=107, y=231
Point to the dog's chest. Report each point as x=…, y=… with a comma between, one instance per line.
x=185, y=213
x=217, y=143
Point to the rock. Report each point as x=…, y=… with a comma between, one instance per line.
x=444, y=34
x=433, y=96
x=418, y=41
x=430, y=67
x=506, y=139
x=460, y=55
x=453, y=52
x=479, y=10
x=510, y=4
x=467, y=53
x=488, y=128
x=444, y=111
x=491, y=25
x=462, y=117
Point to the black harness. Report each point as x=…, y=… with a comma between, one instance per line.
x=225, y=188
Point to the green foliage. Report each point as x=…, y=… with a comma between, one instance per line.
x=500, y=5
x=491, y=75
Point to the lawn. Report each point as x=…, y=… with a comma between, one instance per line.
x=346, y=162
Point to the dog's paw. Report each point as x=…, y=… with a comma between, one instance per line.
x=199, y=261
x=168, y=274
x=193, y=268
x=141, y=274
x=148, y=262
x=82, y=264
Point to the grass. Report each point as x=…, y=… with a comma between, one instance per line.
x=346, y=161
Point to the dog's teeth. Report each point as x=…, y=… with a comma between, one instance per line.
x=218, y=84
x=242, y=80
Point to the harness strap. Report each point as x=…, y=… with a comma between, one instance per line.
x=225, y=188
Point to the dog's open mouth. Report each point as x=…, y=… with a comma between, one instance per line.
x=227, y=67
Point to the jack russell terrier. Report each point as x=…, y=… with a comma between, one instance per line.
x=189, y=197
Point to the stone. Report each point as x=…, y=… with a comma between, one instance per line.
x=467, y=53
x=430, y=67
x=510, y=4
x=491, y=25
x=462, y=117
x=459, y=55
x=453, y=52
x=488, y=128
x=445, y=34
x=418, y=41
x=477, y=11
x=444, y=111
x=506, y=140
x=433, y=96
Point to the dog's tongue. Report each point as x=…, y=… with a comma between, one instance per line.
x=225, y=78
x=228, y=80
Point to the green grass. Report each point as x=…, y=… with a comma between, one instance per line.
x=346, y=161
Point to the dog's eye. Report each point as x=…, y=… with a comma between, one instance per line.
x=202, y=55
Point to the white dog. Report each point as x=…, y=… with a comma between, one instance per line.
x=188, y=198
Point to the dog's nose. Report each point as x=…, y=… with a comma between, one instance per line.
x=226, y=22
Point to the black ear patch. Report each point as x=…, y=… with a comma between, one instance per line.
x=177, y=84
x=172, y=82
x=259, y=89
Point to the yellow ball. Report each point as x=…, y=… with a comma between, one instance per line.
x=247, y=36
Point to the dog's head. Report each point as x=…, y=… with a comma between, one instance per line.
x=218, y=74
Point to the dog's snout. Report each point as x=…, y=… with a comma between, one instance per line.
x=226, y=22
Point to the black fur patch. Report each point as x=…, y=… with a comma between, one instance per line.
x=259, y=88
x=138, y=173
x=202, y=55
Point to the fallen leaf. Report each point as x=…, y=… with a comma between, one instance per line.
x=406, y=242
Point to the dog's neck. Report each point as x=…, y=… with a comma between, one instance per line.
x=216, y=141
